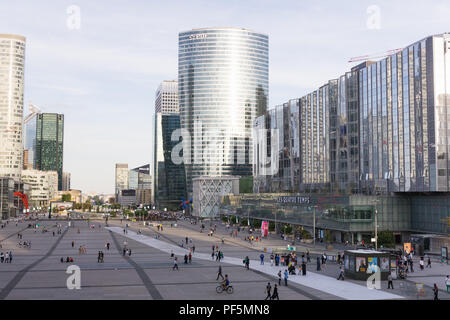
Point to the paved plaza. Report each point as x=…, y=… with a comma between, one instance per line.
x=37, y=273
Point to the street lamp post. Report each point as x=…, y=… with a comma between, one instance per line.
x=314, y=225
x=376, y=223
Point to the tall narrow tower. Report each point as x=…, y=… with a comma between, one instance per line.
x=12, y=64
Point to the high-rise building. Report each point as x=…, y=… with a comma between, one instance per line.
x=29, y=139
x=50, y=143
x=223, y=86
x=121, y=178
x=66, y=181
x=167, y=97
x=12, y=64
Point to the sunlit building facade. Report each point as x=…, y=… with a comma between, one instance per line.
x=12, y=65
x=222, y=87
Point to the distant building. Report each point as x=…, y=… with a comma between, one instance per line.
x=121, y=178
x=12, y=64
x=75, y=195
x=44, y=186
x=50, y=143
x=141, y=181
x=127, y=197
x=66, y=181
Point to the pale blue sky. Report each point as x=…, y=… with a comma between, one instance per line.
x=103, y=76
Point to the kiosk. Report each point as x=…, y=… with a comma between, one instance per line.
x=361, y=264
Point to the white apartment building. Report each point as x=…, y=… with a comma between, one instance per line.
x=43, y=184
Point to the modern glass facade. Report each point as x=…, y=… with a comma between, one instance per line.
x=378, y=129
x=12, y=64
x=121, y=178
x=222, y=88
x=50, y=143
x=169, y=184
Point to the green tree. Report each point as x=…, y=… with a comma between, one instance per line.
x=386, y=239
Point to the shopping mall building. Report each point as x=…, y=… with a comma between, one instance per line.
x=374, y=141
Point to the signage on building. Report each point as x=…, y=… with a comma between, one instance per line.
x=198, y=36
x=295, y=199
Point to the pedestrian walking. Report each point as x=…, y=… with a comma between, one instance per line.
x=193, y=249
x=275, y=293
x=268, y=291
x=129, y=252
x=73, y=243
x=429, y=263
x=341, y=274
x=219, y=273
x=271, y=260
x=262, y=258
x=435, y=291
x=190, y=257
x=175, y=264
x=304, y=269
x=279, y=277
x=421, y=263
x=318, y=264
x=390, y=283
x=285, y=277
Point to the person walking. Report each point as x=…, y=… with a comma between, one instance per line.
x=107, y=246
x=219, y=273
x=303, y=268
x=73, y=243
x=98, y=257
x=435, y=291
x=247, y=262
x=262, y=258
x=279, y=278
x=421, y=263
x=318, y=264
x=268, y=289
x=447, y=283
x=429, y=263
x=285, y=277
x=193, y=249
x=10, y=256
x=190, y=257
x=275, y=293
x=390, y=283
x=341, y=274
x=175, y=264
x=271, y=260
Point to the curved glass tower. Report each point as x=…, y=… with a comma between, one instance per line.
x=223, y=76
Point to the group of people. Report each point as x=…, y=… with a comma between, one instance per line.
x=271, y=295
x=68, y=260
x=100, y=257
x=6, y=257
x=82, y=249
x=216, y=253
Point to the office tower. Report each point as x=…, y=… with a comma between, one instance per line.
x=66, y=181
x=168, y=181
x=50, y=143
x=12, y=64
x=222, y=86
x=121, y=178
x=167, y=97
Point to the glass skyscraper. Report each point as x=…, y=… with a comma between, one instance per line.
x=49, y=144
x=223, y=86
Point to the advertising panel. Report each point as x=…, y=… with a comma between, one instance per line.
x=384, y=265
x=407, y=247
x=373, y=264
x=361, y=264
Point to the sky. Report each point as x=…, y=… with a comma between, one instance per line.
x=100, y=62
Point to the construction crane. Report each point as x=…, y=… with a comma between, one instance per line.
x=375, y=55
